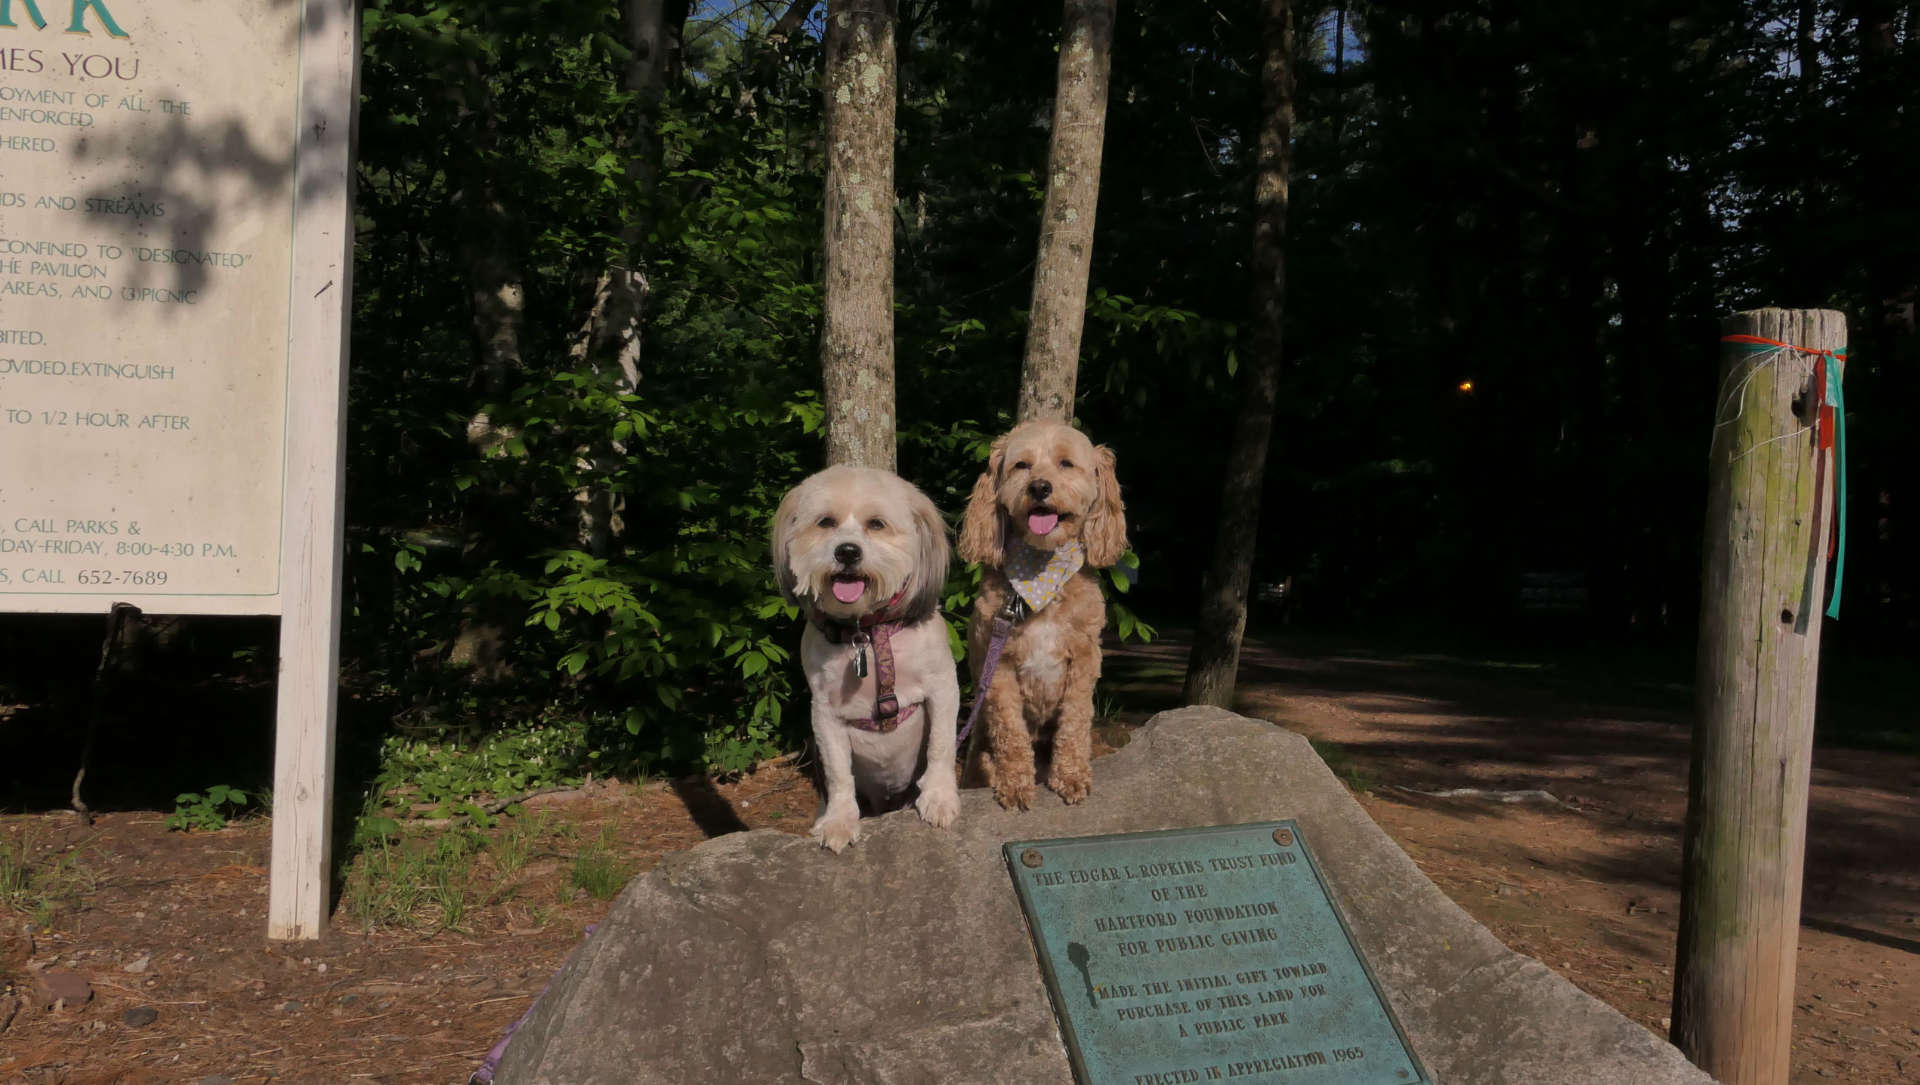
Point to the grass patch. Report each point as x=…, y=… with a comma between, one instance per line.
x=41, y=889
x=1345, y=766
x=417, y=883
x=598, y=872
x=434, y=881
x=518, y=843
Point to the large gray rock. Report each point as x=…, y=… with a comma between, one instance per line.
x=759, y=957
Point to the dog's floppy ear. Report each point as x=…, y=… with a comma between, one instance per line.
x=1106, y=532
x=981, y=535
x=784, y=521
x=930, y=557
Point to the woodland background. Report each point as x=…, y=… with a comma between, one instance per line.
x=1511, y=230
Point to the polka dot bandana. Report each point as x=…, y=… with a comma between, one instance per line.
x=1041, y=575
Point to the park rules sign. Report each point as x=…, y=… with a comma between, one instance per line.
x=150, y=200
x=175, y=258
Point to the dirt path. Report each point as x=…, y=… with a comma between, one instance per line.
x=1591, y=888
x=467, y=927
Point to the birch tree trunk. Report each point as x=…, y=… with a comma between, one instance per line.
x=611, y=334
x=1058, y=314
x=609, y=341
x=496, y=292
x=496, y=289
x=856, y=329
x=498, y=298
x=1215, y=660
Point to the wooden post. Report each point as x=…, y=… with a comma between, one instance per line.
x=316, y=454
x=1767, y=504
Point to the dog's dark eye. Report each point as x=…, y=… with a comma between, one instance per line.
x=1066, y=463
x=826, y=521
x=876, y=524
x=1022, y=465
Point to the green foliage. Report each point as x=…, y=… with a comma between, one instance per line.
x=671, y=643
x=1120, y=580
x=444, y=775
x=1560, y=234
x=209, y=812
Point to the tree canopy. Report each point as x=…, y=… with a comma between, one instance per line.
x=1512, y=228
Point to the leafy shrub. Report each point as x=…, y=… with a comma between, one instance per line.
x=195, y=812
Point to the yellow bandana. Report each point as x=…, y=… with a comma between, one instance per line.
x=1041, y=575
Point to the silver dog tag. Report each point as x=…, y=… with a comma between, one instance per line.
x=860, y=655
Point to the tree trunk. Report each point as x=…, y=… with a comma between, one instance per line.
x=496, y=292
x=1807, y=50
x=1759, y=662
x=1888, y=345
x=1215, y=660
x=856, y=327
x=795, y=19
x=1059, y=309
x=609, y=340
x=1340, y=80
x=498, y=297
x=611, y=336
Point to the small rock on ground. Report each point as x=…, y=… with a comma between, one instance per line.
x=140, y=1017
x=62, y=987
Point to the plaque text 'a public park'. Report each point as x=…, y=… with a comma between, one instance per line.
x=1204, y=955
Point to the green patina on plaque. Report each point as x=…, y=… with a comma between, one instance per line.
x=1196, y=955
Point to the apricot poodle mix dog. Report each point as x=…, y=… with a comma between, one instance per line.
x=1043, y=515
x=864, y=553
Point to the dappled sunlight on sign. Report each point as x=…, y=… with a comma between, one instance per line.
x=146, y=224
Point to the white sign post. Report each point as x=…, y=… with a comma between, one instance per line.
x=176, y=252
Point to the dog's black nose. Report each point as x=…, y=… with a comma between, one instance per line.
x=847, y=553
x=1040, y=488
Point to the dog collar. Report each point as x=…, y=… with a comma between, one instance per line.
x=875, y=630
x=838, y=631
x=1040, y=576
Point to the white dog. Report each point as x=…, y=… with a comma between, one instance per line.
x=864, y=554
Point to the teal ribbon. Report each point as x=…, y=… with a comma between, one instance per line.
x=1837, y=361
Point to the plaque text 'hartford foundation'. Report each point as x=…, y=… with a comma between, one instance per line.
x=1204, y=955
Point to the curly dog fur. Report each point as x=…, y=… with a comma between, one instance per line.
x=1042, y=691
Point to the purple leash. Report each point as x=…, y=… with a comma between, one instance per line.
x=484, y=1075
x=1003, y=623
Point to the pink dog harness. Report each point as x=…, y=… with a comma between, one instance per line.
x=874, y=630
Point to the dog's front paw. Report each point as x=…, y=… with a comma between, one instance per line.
x=1014, y=796
x=938, y=808
x=1071, y=788
x=836, y=831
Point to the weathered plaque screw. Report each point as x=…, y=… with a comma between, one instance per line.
x=1283, y=837
x=1403, y=1073
x=1031, y=857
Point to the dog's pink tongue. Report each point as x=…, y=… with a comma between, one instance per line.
x=1043, y=523
x=848, y=591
